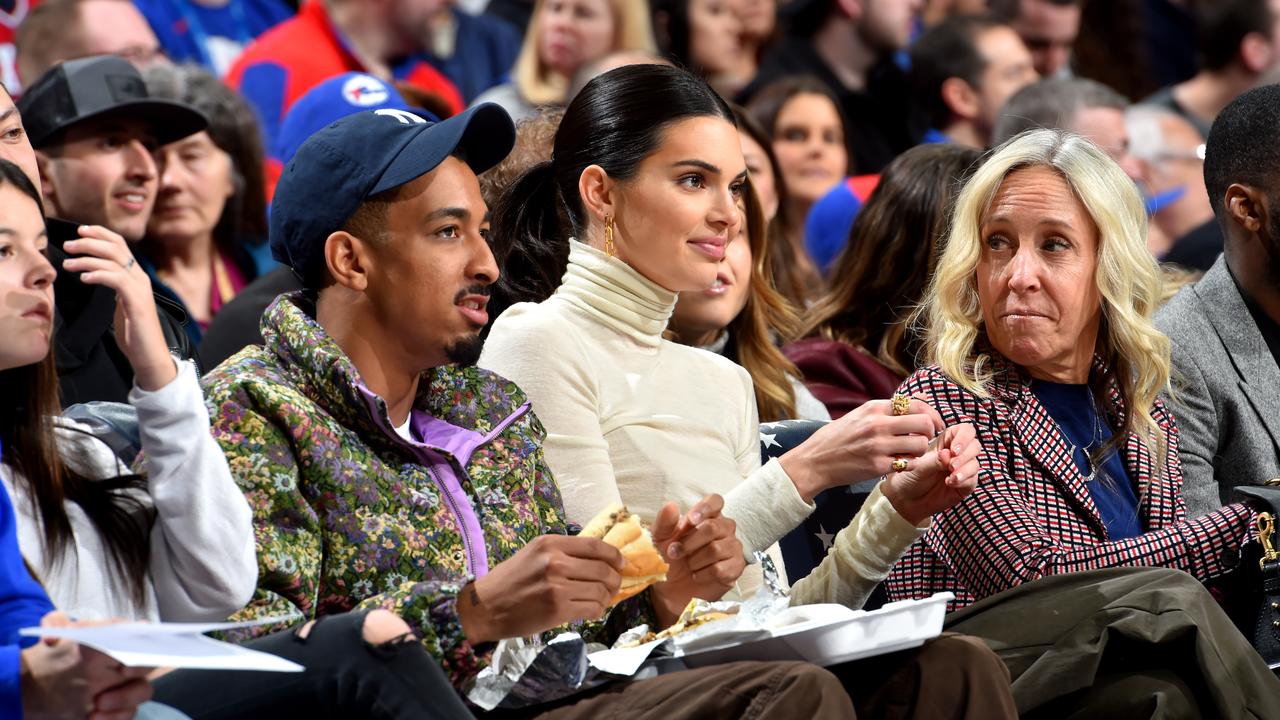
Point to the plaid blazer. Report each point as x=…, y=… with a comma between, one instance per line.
x=1032, y=515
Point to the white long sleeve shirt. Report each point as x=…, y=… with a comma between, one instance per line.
x=634, y=418
x=202, y=563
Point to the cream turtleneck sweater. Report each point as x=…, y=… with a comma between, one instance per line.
x=634, y=418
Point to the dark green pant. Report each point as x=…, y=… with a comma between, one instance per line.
x=1125, y=643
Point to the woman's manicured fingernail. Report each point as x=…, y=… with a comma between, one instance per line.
x=695, y=517
x=673, y=551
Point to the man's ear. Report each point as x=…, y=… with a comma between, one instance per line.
x=46, y=183
x=1256, y=52
x=595, y=187
x=961, y=98
x=347, y=258
x=1246, y=206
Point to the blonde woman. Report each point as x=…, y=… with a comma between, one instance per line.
x=564, y=36
x=1038, y=328
x=1039, y=332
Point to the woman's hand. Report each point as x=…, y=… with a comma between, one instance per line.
x=62, y=679
x=703, y=552
x=943, y=477
x=106, y=260
x=861, y=445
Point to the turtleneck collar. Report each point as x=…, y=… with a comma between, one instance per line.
x=615, y=294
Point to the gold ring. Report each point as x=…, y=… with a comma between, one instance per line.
x=901, y=404
x=899, y=465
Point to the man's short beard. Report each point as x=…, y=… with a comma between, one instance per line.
x=465, y=351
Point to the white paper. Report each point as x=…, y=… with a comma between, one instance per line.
x=172, y=645
x=624, y=661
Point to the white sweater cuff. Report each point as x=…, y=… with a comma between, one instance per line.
x=765, y=507
x=882, y=536
x=176, y=393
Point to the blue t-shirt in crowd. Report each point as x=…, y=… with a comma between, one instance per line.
x=1074, y=409
x=22, y=603
x=210, y=36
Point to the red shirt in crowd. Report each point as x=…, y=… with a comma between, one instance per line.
x=302, y=52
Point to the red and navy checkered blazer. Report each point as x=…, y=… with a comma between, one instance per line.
x=1031, y=514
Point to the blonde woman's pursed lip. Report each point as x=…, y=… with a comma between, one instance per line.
x=1025, y=315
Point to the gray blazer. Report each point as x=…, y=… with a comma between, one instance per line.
x=1227, y=388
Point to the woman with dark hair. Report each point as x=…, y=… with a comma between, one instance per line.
x=807, y=136
x=759, y=22
x=704, y=36
x=206, y=237
x=857, y=344
x=786, y=273
x=742, y=317
x=647, y=171
x=172, y=543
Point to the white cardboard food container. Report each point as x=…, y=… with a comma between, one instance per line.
x=824, y=634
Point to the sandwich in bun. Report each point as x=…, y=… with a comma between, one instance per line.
x=642, y=565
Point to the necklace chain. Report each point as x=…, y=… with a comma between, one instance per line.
x=1097, y=438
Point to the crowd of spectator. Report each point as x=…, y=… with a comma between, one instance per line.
x=348, y=315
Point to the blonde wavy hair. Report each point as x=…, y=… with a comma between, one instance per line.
x=1127, y=277
x=540, y=85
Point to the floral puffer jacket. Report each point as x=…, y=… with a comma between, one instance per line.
x=348, y=515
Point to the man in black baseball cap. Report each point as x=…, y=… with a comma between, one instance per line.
x=94, y=126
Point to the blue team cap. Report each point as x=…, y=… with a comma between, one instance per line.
x=361, y=155
x=1159, y=201
x=331, y=100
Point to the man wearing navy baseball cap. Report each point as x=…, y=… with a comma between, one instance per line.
x=236, y=325
x=386, y=471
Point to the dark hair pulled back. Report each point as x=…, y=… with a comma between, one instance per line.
x=616, y=121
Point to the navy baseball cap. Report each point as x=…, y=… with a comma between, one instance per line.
x=331, y=100
x=361, y=155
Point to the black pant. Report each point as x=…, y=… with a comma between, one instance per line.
x=345, y=677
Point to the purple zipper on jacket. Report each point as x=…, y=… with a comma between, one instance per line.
x=433, y=437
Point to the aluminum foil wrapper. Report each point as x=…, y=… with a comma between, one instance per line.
x=772, y=597
x=754, y=614
x=526, y=671
x=698, y=608
x=634, y=636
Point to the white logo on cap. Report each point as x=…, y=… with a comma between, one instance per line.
x=364, y=91
x=404, y=116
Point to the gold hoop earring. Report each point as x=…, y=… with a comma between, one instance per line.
x=609, y=248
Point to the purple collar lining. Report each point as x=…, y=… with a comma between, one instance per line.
x=435, y=440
